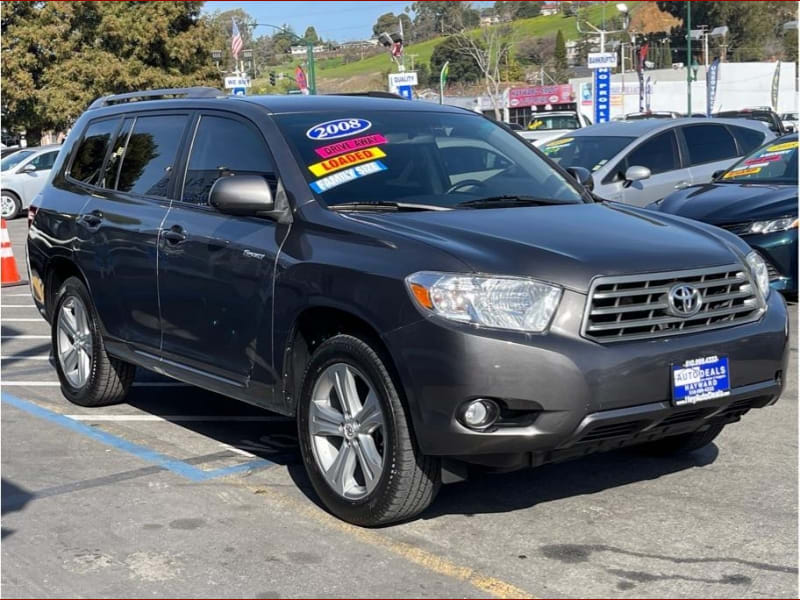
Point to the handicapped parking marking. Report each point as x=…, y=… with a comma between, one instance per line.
x=178, y=467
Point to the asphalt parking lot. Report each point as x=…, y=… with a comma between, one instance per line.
x=182, y=493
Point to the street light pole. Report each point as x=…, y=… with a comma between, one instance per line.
x=312, y=73
x=689, y=58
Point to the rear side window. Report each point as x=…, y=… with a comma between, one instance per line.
x=44, y=162
x=224, y=147
x=111, y=173
x=92, y=151
x=709, y=143
x=748, y=139
x=659, y=153
x=149, y=157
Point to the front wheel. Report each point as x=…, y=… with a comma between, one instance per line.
x=356, y=440
x=10, y=205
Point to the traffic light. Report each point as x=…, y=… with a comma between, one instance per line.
x=272, y=78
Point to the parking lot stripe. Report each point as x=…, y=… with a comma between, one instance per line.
x=176, y=466
x=26, y=357
x=56, y=384
x=25, y=320
x=17, y=306
x=24, y=337
x=177, y=418
x=3, y=295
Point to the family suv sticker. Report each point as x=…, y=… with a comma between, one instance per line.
x=346, y=160
x=331, y=181
x=349, y=145
x=338, y=128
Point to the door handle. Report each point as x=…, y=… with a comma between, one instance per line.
x=682, y=184
x=175, y=234
x=93, y=219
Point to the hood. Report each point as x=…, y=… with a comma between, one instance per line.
x=722, y=203
x=567, y=244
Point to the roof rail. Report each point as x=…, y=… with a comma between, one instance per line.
x=189, y=92
x=373, y=94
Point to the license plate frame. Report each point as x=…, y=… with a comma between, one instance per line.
x=699, y=380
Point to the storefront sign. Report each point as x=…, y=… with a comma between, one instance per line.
x=541, y=94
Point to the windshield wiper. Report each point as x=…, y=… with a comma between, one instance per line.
x=507, y=200
x=386, y=206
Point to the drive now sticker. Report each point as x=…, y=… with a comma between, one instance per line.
x=350, y=145
x=346, y=160
x=351, y=174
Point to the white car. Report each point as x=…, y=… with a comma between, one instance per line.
x=22, y=175
x=789, y=121
x=547, y=126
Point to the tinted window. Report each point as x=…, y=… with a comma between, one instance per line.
x=112, y=166
x=150, y=155
x=709, y=143
x=587, y=151
x=773, y=163
x=748, y=139
x=12, y=160
x=659, y=154
x=92, y=151
x=224, y=147
x=44, y=162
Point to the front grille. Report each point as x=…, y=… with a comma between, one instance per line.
x=635, y=307
x=606, y=432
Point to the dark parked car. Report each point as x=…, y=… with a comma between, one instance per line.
x=757, y=199
x=765, y=115
x=419, y=286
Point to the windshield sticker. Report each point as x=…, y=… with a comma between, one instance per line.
x=338, y=128
x=784, y=146
x=375, y=139
x=760, y=160
x=742, y=172
x=557, y=143
x=351, y=174
x=346, y=160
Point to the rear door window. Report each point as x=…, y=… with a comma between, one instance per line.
x=748, y=139
x=150, y=155
x=92, y=151
x=44, y=162
x=709, y=143
x=224, y=147
x=659, y=154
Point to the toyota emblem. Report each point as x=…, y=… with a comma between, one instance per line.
x=684, y=300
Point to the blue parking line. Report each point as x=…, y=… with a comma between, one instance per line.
x=176, y=466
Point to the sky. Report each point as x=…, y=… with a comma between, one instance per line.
x=341, y=21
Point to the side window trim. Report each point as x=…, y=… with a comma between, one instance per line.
x=124, y=148
x=68, y=171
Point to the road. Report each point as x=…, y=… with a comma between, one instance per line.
x=182, y=493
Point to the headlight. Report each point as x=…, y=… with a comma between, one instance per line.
x=502, y=302
x=773, y=225
x=759, y=270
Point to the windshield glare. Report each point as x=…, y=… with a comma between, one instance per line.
x=773, y=163
x=414, y=157
x=12, y=160
x=587, y=151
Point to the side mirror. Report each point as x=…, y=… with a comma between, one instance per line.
x=582, y=176
x=717, y=174
x=242, y=195
x=29, y=168
x=637, y=173
x=789, y=128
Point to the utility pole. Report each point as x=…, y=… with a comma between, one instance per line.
x=689, y=57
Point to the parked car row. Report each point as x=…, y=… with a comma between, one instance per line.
x=23, y=174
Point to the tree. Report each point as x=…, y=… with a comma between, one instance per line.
x=510, y=10
x=389, y=22
x=311, y=35
x=462, y=68
x=58, y=57
x=221, y=24
x=560, y=66
x=434, y=17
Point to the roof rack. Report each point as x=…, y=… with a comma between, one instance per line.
x=190, y=92
x=373, y=94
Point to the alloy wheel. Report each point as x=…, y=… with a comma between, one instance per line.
x=7, y=206
x=74, y=342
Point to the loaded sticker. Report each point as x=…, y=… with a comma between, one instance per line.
x=346, y=160
x=349, y=145
x=742, y=172
x=784, y=146
x=338, y=128
x=331, y=181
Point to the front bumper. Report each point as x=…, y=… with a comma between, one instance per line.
x=567, y=394
x=780, y=251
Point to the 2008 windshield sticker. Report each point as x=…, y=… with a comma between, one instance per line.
x=331, y=181
x=365, y=141
x=346, y=160
x=338, y=128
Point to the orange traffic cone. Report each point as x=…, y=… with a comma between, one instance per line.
x=8, y=266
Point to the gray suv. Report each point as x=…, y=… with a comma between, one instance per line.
x=417, y=285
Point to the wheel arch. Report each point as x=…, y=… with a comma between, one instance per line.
x=57, y=271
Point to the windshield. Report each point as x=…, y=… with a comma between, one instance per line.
x=547, y=122
x=774, y=163
x=789, y=116
x=587, y=151
x=427, y=158
x=12, y=160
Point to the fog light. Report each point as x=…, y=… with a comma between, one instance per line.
x=479, y=414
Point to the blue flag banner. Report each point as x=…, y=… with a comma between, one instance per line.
x=711, y=86
x=602, y=95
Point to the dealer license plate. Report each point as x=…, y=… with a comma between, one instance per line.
x=700, y=379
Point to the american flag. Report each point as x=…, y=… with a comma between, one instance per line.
x=236, y=41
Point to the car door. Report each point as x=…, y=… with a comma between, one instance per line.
x=34, y=180
x=659, y=153
x=710, y=147
x=121, y=221
x=215, y=270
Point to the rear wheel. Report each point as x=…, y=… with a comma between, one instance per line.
x=356, y=440
x=88, y=375
x=683, y=443
x=10, y=205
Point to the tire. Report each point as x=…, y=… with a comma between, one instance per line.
x=683, y=443
x=10, y=205
x=89, y=377
x=408, y=481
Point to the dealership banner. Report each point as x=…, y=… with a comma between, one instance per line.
x=776, y=80
x=540, y=94
x=602, y=96
x=711, y=86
